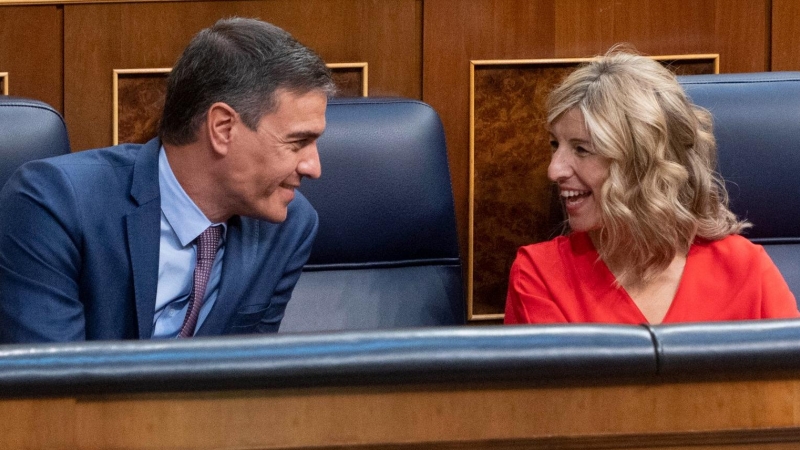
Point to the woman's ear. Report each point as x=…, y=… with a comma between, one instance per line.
x=220, y=121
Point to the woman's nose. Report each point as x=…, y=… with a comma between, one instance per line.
x=559, y=167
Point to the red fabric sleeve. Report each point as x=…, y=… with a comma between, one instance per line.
x=777, y=300
x=528, y=300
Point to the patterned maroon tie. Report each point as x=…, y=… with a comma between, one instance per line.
x=207, y=244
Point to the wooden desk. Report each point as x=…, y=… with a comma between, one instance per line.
x=736, y=386
x=754, y=414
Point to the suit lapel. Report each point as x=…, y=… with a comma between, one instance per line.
x=143, y=231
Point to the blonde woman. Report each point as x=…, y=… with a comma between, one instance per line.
x=651, y=237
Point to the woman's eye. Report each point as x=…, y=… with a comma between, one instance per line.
x=554, y=145
x=581, y=150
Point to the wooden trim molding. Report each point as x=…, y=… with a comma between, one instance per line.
x=363, y=67
x=128, y=73
x=511, y=202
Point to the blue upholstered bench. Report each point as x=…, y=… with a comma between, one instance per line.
x=386, y=255
x=29, y=129
x=757, y=126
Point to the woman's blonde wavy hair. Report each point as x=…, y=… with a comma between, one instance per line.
x=662, y=189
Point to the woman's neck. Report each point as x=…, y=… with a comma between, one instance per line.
x=653, y=296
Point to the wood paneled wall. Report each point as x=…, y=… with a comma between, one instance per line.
x=64, y=53
x=31, y=42
x=785, y=35
x=99, y=38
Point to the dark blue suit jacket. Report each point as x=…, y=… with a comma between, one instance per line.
x=79, y=244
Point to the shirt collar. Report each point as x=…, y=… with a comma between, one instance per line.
x=181, y=212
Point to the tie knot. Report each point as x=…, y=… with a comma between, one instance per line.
x=207, y=243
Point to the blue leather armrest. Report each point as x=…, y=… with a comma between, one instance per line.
x=528, y=355
x=523, y=354
x=727, y=348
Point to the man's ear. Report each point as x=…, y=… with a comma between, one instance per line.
x=220, y=122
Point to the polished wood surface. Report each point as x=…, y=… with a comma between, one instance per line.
x=785, y=35
x=737, y=30
x=66, y=2
x=665, y=415
x=30, y=52
x=99, y=38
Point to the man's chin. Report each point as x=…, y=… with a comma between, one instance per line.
x=274, y=212
x=272, y=216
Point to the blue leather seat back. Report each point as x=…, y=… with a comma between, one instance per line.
x=386, y=254
x=29, y=129
x=757, y=126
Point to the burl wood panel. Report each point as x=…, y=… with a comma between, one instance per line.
x=141, y=100
x=514, y=202
x=458, y=31
x=101, y=37
x=30, y=52
x=349, y=81
x=785, y=35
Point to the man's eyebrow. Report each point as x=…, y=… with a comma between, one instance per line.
x=303, y=135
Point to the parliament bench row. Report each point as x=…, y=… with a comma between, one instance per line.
x=371, y=322
x=387, y=252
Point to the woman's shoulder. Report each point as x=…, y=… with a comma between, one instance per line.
x=545, y=247
x=733, y=242
x=534, y=260
x=730, y=250
x=575, y=243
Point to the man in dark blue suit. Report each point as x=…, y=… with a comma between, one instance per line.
x=103, y=244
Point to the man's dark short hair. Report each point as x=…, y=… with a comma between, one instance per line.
x=240, y=62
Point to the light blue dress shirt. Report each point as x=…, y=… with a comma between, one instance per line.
x=181, y=223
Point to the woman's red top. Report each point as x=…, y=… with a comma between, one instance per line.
x=564, y=280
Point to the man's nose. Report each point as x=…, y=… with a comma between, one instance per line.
x=310, y=166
